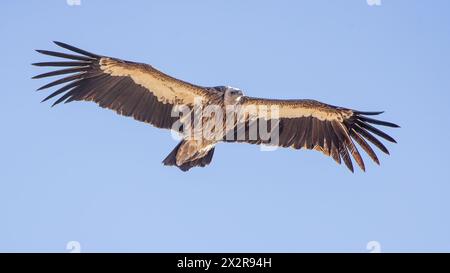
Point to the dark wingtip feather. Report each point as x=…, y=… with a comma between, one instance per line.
x=74, y=49
x=37, y=64
x=351, y=169
x=62, y=80
x=65, y=63
x=371, y=138
x=62, y=72
x=61, y=44
x=46, y=99
x=63, y=98
x=374, y=113
x=363, y=144
x=65, y=55
x=378, y=122
x=376, y=131
x=346, y=157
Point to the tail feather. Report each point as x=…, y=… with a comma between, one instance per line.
x=171, y=159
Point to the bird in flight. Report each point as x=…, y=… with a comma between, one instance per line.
x=140, y=91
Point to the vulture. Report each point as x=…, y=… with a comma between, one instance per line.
x=205, y=116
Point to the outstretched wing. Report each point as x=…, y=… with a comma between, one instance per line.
x=130, y=89
x=314, y=125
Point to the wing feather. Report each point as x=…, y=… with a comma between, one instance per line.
x=366, y=147
x=332, y=130
x=129, y=88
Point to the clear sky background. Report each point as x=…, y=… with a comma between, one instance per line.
x=77, y=172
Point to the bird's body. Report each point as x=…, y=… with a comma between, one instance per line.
x=198, y=142
x=206, y=116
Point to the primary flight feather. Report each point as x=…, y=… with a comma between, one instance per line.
x=148, y=95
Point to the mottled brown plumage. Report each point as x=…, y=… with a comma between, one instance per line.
x=146, y=94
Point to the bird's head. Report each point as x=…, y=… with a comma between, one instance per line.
x=232, y=95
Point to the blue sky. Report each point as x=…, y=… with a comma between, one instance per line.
x=81, y=173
